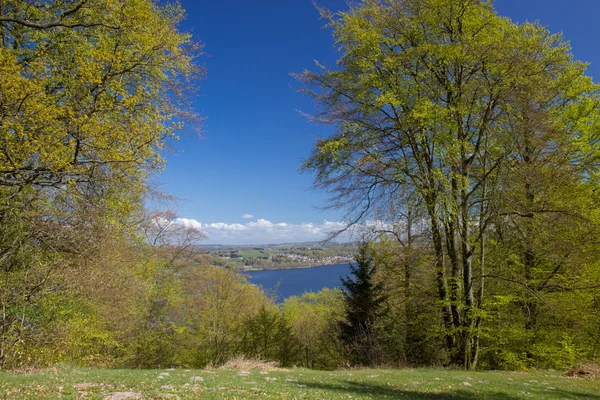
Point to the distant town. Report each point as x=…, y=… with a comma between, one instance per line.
x=279, y=256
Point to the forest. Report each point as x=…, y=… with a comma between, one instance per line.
x=471, y=139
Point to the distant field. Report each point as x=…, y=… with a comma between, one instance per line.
x=252, y=253
x=429, y=384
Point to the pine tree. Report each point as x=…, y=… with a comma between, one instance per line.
x=364, y=301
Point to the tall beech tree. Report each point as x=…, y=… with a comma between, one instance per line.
x=424, y=98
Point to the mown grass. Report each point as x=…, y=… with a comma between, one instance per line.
x=429, y=384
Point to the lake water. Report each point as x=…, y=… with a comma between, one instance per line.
x=294, y=282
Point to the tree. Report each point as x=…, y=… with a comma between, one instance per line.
x=314, y=320
x=90, y=89
x=543, y=245
x=216, y=311
x=412, y=314
x=91, y=92
x=267, y=336
x=424, y=98
x=364, y=305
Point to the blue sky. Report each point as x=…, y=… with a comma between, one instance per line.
x=240, y=184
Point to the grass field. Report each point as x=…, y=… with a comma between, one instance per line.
x=252, y=253
x=430, y=384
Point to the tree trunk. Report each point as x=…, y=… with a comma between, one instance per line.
x=408, y=318
x=442, y=284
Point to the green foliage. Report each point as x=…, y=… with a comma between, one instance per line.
x=268, y=336
x=490, y=129
x=217, y=307
x=89, y=94
x=410, y=329
x=91, y=91
x=315, y=319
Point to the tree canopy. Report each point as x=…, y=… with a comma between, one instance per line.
x=91, y=89
x=91, y=92
x=446, y=102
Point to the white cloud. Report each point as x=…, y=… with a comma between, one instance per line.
x=226, y=227
x=247, y=216
x=190, y=223
x=261, y=224
x=218, y=226
x=263, y=231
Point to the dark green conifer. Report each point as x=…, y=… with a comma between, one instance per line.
x=365, y=304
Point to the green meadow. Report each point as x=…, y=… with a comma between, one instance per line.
x=79, y=383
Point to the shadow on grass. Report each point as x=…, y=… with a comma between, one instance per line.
x=562, y=394
x=374, y=391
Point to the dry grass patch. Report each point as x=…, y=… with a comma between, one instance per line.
x=34, y=370
x=587, y=370
x=241, y=363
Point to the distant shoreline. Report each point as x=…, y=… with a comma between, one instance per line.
x=290, y=268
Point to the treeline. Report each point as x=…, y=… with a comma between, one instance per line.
x=153, y=306
x=157, y=308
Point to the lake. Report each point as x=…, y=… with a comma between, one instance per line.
x=294, y=282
